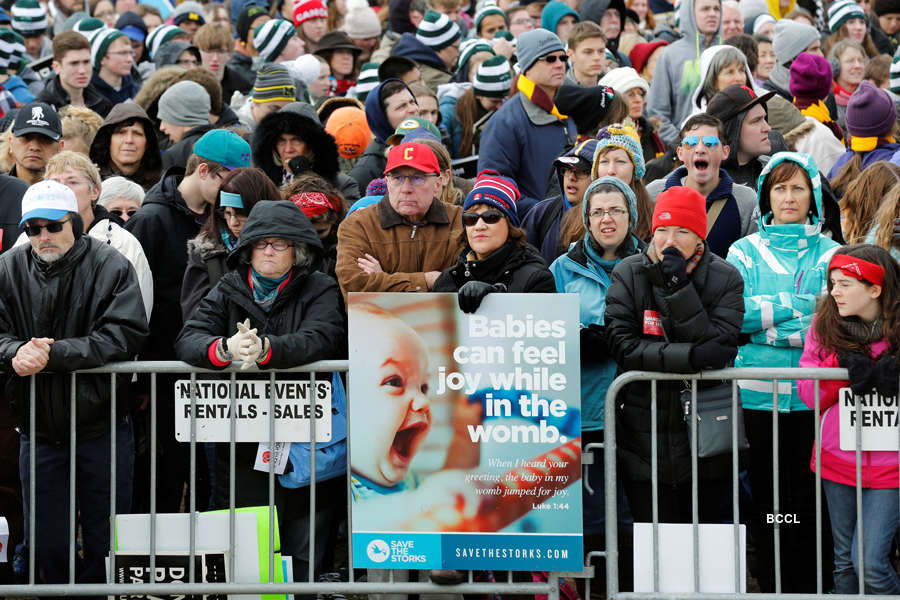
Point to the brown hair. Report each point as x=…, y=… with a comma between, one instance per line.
x=468, y=111
x=516, y=234
x=210, y=83
x=253, y=185
x=68, y=41
x=863, y=197
x=649, y=21
x=782, y=172
x=585, y=30
x=213, y=36
x=335, y=19
x=884, y=219
x=878, y=71
x=867, y=46
x=195, y=161
x=449, y=193
x=440, y=5
x=142, y=10
x=828, y=325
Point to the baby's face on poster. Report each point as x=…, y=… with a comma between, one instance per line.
x=389, y=426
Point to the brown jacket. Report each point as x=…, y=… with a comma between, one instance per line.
x=405, y=251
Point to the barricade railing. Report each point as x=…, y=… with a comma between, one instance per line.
x=733, y=375
x=304, y=582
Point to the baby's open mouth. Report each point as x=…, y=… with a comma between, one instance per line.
x=409, y=437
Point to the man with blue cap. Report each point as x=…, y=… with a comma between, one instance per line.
x=68, y=301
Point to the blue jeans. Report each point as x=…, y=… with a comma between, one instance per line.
x=92, y=461
x=880, y=521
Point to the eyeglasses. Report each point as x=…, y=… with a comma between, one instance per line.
x=710, y=141
x=279, y=245
x=555, y=57
x=228, y=215
x=52, y=227
x=615, y=213
x=523, y=21
x=121, y=211
x=490, y=217
x=417, y=180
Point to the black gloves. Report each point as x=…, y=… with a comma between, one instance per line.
x=897, y=229
x=716, y=353
x=594, y=347
x=861, y=369
x=673, y=269
x=472, y=293
x=886, y=374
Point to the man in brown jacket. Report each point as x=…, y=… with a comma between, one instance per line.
x=404, y=242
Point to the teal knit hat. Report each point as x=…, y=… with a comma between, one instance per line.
x=29, y=18
x=161, y=35
x=437, y=31
x=100, y=45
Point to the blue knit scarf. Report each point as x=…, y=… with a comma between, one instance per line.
x=265, y=289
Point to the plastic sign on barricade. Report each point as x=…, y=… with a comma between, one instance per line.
x=878, y=420
x=465, y=445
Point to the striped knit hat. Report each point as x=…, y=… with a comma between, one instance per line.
x=496, y=191
x=625, y=137
x=273, y=84
x=306, y=11
x=489, y=9
x=468, y=49
x=367, y=80
x=89, y=27
x=437, y=31
x=12, y=47
x=493, y=78
x=895, y=74
x=161, y=35
x=271, y=37
x=29, y=18
x=842, y=11
x=100, y=44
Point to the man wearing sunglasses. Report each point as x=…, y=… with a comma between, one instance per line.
x=729, y=206
x=404, y=242
x=528, y=132
x=68, y=301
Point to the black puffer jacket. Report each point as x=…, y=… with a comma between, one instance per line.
x=520, y=268
x=299, y=119
x=205, y=267
x=150, y=169
x=711, y=305
x=90, y=303
x=303, y=325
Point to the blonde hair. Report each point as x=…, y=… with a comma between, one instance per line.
x=884, y=219
x=449, y=193
x=6, y=159
x=80, y=122
x=74, y=161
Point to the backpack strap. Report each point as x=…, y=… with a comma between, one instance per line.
x=715, y=209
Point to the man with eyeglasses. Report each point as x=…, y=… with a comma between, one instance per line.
x=113, y=57
x=172, y=213
x=72, y=82
x=68, y=301
x=528, y=132
x=729, y=206
x=404, y=242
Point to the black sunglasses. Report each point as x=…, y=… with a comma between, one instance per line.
x=52, y=227
x=119, y=212
x=490, y=217
x=555, y=57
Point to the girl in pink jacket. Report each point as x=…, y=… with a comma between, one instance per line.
x=857, y=327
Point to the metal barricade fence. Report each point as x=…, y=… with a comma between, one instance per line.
x=775, y=375
x=309, y=586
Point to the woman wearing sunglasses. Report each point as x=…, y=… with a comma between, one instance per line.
x=241, y=190
x=495, y=256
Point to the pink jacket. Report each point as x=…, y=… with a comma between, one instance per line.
x=879, y=468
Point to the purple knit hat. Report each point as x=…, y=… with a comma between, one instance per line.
x=810, y=77
x=870, y=112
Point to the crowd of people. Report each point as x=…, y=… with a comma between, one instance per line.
x=718, y=181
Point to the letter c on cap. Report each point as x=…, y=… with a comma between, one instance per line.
x=408, y=153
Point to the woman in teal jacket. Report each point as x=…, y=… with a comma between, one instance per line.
x=609, y=210
x=785, y=269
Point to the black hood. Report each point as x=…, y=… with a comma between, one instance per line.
x=151, y=163
x=276, y=219
x=317, y=140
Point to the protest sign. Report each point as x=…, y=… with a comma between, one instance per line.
x=878, y=420
x=465, y=446
x=171, y=568
x=251, y=400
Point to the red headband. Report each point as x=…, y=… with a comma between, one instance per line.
x=314, y=203
x=858, y=268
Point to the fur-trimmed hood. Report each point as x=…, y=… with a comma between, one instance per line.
x=206, y=247
x=294, y=121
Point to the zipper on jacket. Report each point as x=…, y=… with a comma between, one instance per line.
x=412, y=235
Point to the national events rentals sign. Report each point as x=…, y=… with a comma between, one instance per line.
x=465, y=447
x=876, y=416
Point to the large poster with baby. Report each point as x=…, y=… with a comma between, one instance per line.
x=465, y=448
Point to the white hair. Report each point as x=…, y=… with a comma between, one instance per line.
x=730, y=4
x=119, y=187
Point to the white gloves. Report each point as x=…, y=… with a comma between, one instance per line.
x=245, y=345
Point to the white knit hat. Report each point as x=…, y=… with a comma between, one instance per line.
x=361, y=22
x=306, y=68
x=623, y=79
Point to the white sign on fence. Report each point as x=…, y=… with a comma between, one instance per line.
x=251, y=402
x=878, y=419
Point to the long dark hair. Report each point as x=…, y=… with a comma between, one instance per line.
x=828, y=327
x=252, y=184
x=468, y=111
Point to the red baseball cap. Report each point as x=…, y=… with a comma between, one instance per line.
x=417, y=156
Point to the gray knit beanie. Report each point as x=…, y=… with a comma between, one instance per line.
x=790, y=39
x=186, y=104
x=534, y=44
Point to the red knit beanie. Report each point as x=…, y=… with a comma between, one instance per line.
x=681, y=207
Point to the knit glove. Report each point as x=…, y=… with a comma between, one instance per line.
x=673, y=269
x=897, y=229
x=594, y=345
x=861, y=369
x=716, y=353
x=472, y=293
x=244, y=345
x=886, y=374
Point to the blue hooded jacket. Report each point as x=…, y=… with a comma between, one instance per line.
x=554, y=12
x=410, y=47
x=785, y=270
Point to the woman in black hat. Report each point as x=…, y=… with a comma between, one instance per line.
x=341, y=53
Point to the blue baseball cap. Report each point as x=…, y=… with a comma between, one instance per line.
x=224, y=147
